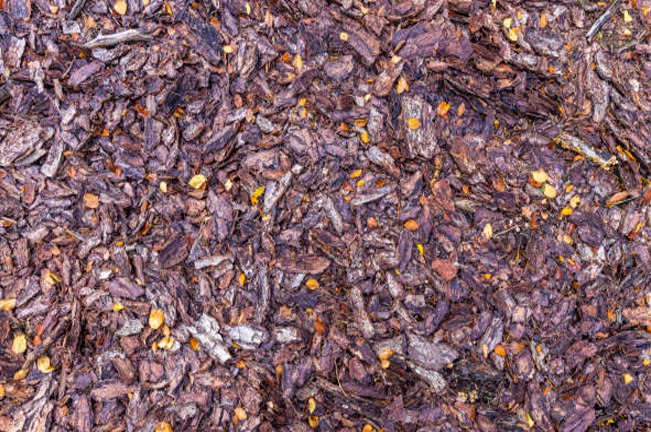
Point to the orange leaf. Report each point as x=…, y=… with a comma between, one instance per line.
x=411, y=225
x=443, y=109
x=413, y=123
x=91, y=201
x=543, y=20
x=500, y=351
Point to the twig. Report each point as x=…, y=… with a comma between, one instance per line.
x=603, y=19
x=74, y=12
x=104, y=41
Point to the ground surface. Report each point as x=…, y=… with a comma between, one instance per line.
x=347, y=215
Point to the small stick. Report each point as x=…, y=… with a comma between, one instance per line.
x=603, y=19
x=104, y=41
x=76, y=9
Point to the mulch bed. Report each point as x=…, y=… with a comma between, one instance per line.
x=345, y=215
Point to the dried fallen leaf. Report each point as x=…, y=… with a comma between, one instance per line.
x=403, y=86
x=312, y=284
x=21, y=374
x=197, y=181
x=443, y=108
x=411, y=225
x=313, y=421
x=240, y=414
x=574, y=201
x=19, y=344
x=421, y=251
x=43, y=364
x=156, y=318
x=566, y=211
x=117, y=307
x=91, y=201
x=513, y=35
x=543, y=20
x=499, y=350
x=120, y=7
x=539, y=176
x=2, y=391
x=364, y=137
x=163, y=427
x=367, y=428
x=385, y=353
x=228, y=49
x=627, y=17
x=507, y=22
x=298, y=62
x=461, y=109
x=487, y=231
x=311, y=405
x=343, y=36
x=7, y=304
x=163, y=186
x=242, y=279
x=628, y=378
x=356, y=173
x=256, y=194
x=413, y=123
x=549, y=191
x=194, y=343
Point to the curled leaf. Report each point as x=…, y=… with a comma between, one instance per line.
x=156, y=318
x=197, y=181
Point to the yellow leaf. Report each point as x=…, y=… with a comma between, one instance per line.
x=298, y=62
x=156, y=318
x=343, y=36
x=240, y=414
x=443, y=108
x=411, y=225
x=367, y=428
x=627, y=17
x=539, y=176
x=302, y=102
x=567, y=239
x=312, y=283
x=549, y=191
x=19, y=344
x=117, y=307
x=488, y=231
x=163, y=427
x=361, y=122
x=413, y=123
x=120, y=7
x=43, y=364
x=646, y=362
x=421, y=251
x=364, y=137
x=507, y=22
x=403, y=86
x=500, y=351
x=360, y=183
x=513, y=35
x=628, y=378
x=91, y=201
x=566, y=211
x=313, y=421
x=248, y=9
x=228, y=49
x=256, y=194
x=2, y=391
x=7, y=304
x=197, y=181
x=21, y=374
x=356, y=173
x=163, y=186
x=385, y=363
x=574, y=201
x=311, y=405
x=242, y=279
x=530, y=421
x=385, y=353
